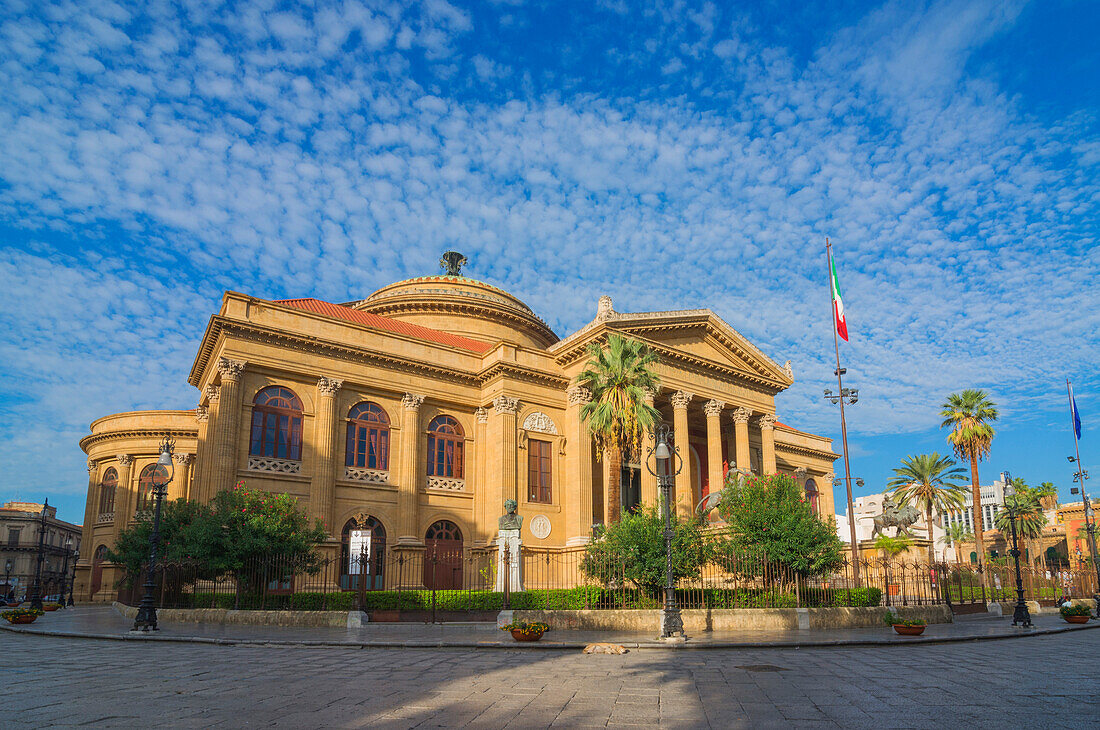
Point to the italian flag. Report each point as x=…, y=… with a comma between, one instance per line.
x=838, y=302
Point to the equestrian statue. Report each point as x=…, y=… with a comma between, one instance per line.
x=901, y=516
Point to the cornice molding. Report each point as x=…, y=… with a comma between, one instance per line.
x=806, y=451
x=155, y=433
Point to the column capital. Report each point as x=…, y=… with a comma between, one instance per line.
x=202, y=414
x=125, y=459
x=801, y=473
x=412, y=401
x=505, y=404
x=230, y=369
x=482, y=415
x=329, y=386
x=91, y=466
x=578, y=395
x=740, y=415
x=680, y=399
x=767, y=421
x=184, y=459
x=650, y=395
x=713, y=408
x=212, y=392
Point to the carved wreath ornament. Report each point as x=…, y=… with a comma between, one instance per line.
x=540, y=422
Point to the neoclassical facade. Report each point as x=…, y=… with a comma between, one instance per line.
x=419, y=410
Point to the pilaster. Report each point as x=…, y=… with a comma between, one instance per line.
x=180, y=486
x=484, y=521
x=91, y=507
x=502, y=436
x=124, y=501
x=578, y=478
x=322, y=485
x=224, y=468
x=649, y=494
x=408, y=491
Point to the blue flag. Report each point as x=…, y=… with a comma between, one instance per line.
x=1076, y=413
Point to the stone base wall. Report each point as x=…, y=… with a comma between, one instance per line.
x=737, y=619
x=323, y=619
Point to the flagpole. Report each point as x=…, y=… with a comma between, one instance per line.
x=1086, y=503
x=843, y=422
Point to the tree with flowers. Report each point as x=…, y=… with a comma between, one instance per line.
x=771, y=522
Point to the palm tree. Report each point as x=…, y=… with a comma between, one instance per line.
x=617, y=377
x=969, y=414
x=1048, y=495
x=956, y=534
x=1031, y=520
x=930, y=483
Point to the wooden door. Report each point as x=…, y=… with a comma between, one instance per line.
x=443, y=556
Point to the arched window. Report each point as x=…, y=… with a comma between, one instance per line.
x=973, y=557
x=276, y=424
x=368, y=444
x=107, y=488
x=444, y=530
x=811, y=494
x=362, y=554
x=445, y=444
x=146, y=500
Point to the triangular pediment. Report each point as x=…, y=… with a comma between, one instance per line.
x=697, y=337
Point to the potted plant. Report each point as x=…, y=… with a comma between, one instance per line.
x=1078, y=614
x=905, y=627
x=22, y=615
x=524, y=631
x=51, y=606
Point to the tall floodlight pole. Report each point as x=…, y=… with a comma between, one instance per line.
x=849, y=395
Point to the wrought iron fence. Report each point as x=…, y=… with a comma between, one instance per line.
x=438, y=583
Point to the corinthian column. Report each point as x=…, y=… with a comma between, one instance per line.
x=480, y=486
x=682, y=497
x=741, y=439
x=767, y=443
x=123, y=493
x=181, y=480
x=713, y=410
x=207, y=416
x=649, y=481
x=408, y=491
x=224, y=469
x=322, y=487
x=578, y=464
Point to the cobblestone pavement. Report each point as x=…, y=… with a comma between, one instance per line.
x=1037, y=681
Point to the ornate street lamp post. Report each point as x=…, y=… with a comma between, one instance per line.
x=668, y=464
x=1021, y=616
x=146, y=619
x=36, y=588
x=72, y=578
x=851, y=397
x=1081, y=476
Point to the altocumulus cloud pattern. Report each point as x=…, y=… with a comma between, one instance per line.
x=674, y=156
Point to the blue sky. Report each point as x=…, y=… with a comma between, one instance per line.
x=677, y=155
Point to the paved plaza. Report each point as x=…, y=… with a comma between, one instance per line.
x=1034, y=681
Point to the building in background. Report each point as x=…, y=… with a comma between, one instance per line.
x=20, y=524
x=417, y=411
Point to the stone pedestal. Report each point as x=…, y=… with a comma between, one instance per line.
x=509, y=538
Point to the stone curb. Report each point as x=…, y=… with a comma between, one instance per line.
x=553, y=645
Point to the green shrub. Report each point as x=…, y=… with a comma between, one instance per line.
x=1078, y=610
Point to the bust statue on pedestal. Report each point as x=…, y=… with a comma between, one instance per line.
x=508, y=538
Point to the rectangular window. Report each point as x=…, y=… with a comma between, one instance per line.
x=13, y=537
x=538, y=471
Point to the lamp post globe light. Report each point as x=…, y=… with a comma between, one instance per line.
x=146, y=619
x=1020, y=616
x=36, y=587
x=667, y=463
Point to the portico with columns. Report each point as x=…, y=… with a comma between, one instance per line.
x=422, y=408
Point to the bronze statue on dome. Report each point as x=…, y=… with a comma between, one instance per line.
x=452, y=263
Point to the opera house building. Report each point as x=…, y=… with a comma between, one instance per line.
x=417, y=411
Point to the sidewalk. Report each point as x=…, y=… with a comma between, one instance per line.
x=103, y=622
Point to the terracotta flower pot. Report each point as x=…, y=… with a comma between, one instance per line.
x=530, y=636
x=909, y=630
x=1077, y=619
x=23, y=619
x=49, y=608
